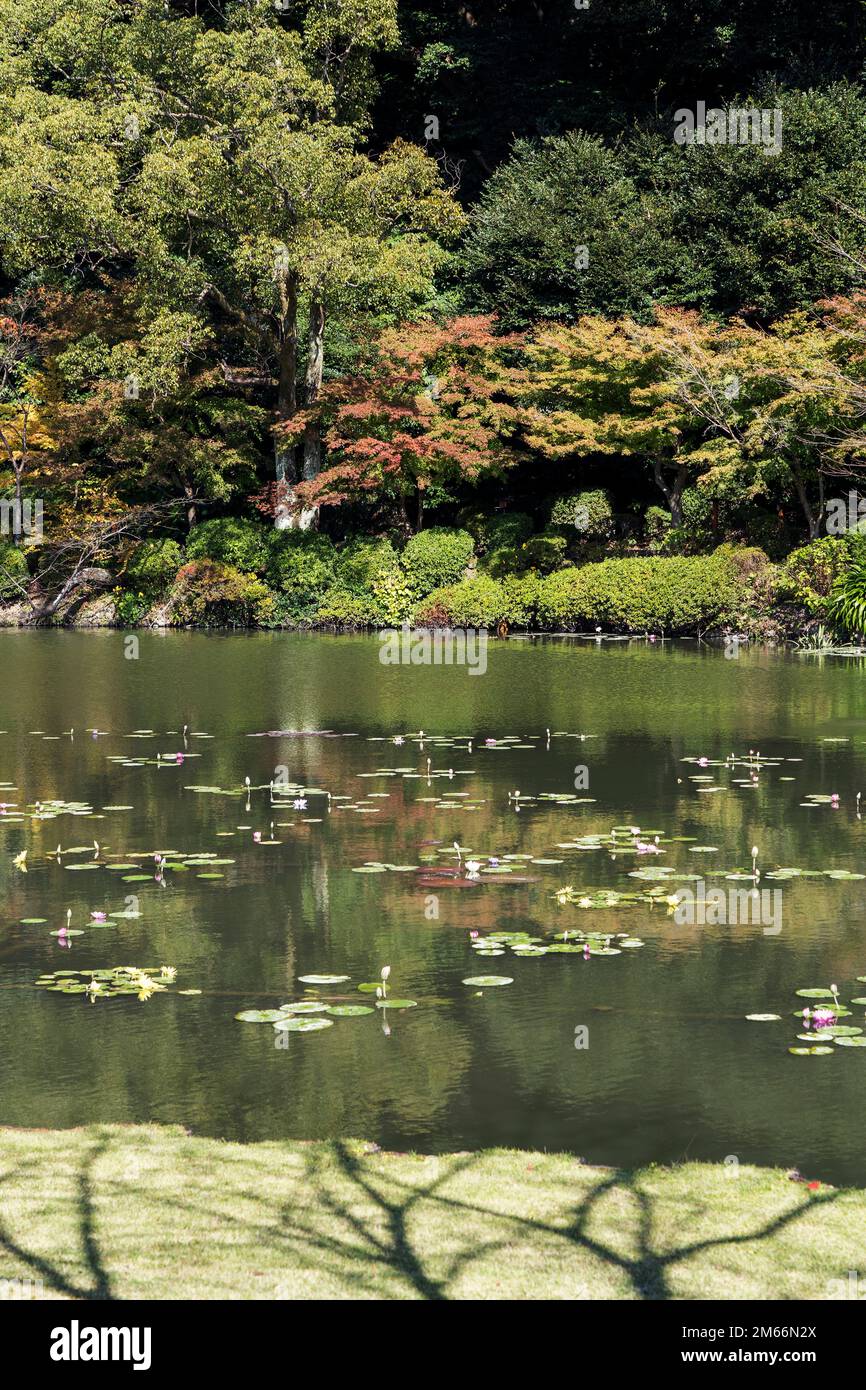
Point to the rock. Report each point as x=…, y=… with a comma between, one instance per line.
x=15, y=614
x=96, y=612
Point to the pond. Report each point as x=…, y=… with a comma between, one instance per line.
x=642, y=1054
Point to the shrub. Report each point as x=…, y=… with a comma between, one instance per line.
x=846, y=607
x=675, y=594
x=436, y=557
x=244, y=545
x=588, y=513
x=211, y=594
x=13, y=571
x=657, y=524
x=362, y=563
x=491, y=530
x=545, y=552
x=302, y=566
x=342, y=608
x=478, y=602
x=153, y=565
x=393, y=597
x=521, y=598
x=809, y=574
x=130, y=606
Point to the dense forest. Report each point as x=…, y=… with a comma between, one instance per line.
x=357, y=312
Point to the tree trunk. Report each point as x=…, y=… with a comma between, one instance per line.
x=812, y=521
x=285, y=469
x=673, y=493
x=312, y=441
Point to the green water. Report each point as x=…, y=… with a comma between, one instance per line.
x=672, y=1068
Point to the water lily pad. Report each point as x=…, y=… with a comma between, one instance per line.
x=302, y=1025
x=259, y=1015
x=322, y=979
x=814, y=993
x=349, y=1010
x=763, y=1018
x=396, y=1003
x=851, y=1042
x=819, y=1051
x=488, y=981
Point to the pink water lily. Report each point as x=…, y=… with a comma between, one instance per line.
x=99, y=917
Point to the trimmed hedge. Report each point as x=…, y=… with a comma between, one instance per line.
x=648, y=594
x=436, y=557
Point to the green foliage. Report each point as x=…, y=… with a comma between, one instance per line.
x=521, y=598
x=668, y=595
x=364, y=561
x=153, y=565
x=590, y=514
x=492, y=530
x=482, y=602
x=711, y=226
x=394, y=596
x=657, y=524
x=233, y=541
x=478, y=602
x=301, y=565
x=210, y=594
x=846, y=607
x=13, y=571
x=810, y=574
x=436, y=557
x=131, y=606
x=345, y=608
x=545, y=552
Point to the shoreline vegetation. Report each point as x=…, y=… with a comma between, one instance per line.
x=239, y=574
x=312, y=317
x=97, y=1213
x=497, y=576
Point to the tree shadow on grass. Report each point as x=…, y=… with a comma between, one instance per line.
x=387, y=1241
x=355, y=1224
x=51, y=1275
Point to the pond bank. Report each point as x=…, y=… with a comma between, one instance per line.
x=152, y=1212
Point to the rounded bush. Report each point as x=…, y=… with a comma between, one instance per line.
x=590, y=514
x=13, y=571
x=343, y=608
x=211, y=594
x=153, y=565
x=478, y=602
x=302, y=565
x=493, y=530
x=649, y=594
x=363, y=562
x=437, y=557
x=231, y=540
x=809, y=574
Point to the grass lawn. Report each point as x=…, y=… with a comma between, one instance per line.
x=150, y=1212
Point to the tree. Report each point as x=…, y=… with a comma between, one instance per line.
x=725, y=228
x=216, y=165
x=432, y=412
